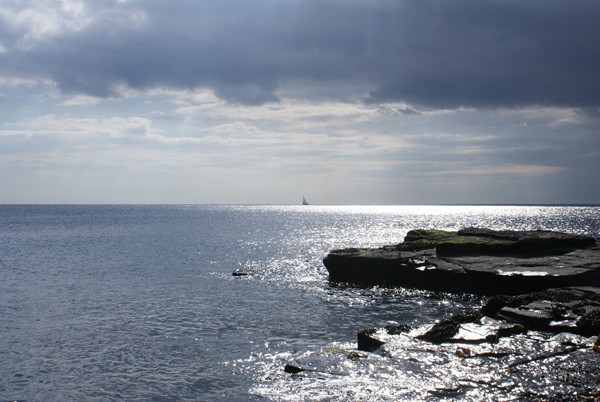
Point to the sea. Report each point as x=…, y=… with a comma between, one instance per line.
x=139, y=302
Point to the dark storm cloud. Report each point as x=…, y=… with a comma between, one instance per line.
x=498, y=53
x=482, y=53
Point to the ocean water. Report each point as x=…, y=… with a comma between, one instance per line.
x=138, y=302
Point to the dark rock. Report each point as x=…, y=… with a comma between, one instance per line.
x=289, y=368
x=535, y=315
x=446, y=329
x=558, y=295
x=355, y=356
x=574, y=310
x=480, y=241
x=589, y=323
x=494, y=304
x=366, y=342
x=479, y=261
x=463, y=352
x=509, y=330
x=397, y=329
x=441, y=331
x=527, y=243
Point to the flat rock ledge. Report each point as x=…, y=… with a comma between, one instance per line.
x=473, y=260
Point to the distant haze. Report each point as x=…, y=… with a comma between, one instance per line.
x=267, y=101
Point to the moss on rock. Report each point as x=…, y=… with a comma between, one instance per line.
x=423, y=239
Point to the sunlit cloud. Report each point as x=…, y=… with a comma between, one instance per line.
x=70, y=126
x=32, y=22
x=81, y=100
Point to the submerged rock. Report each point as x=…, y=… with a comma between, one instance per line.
x=473, y=260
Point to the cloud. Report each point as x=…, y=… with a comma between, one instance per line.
x=429, y=53
x=82, y=100
x=70, y=127
x=504, y=170
x=501, y=53
x=26, y=23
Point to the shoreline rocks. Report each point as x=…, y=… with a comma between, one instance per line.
x=575, y=310
x=478, y=335
x=473, y=260
x=538, y=325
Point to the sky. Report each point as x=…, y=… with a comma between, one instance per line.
x=266, y=101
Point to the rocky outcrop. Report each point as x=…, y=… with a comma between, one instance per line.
x=570, y=362
x=474, y=260
x=540, y=319
x=575, y=310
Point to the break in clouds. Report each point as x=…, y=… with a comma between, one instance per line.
x=427, y=53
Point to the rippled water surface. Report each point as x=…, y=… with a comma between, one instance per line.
x=139, y=302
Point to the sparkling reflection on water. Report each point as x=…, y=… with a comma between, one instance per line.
x=407, y=369
x=138, y=302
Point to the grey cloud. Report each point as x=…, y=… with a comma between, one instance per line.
x=390, y=111
x=490, y=53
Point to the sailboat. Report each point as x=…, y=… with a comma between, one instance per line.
x=304, y=201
